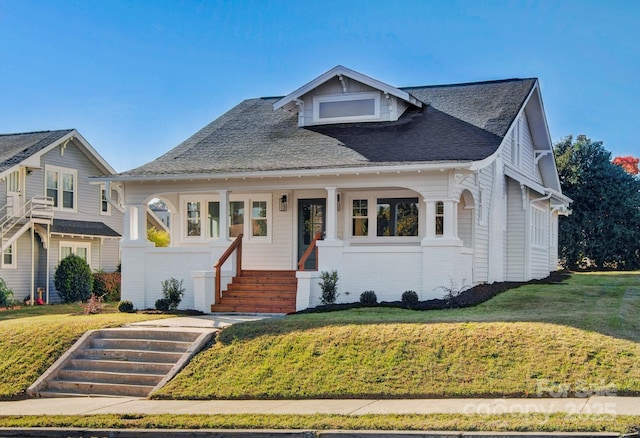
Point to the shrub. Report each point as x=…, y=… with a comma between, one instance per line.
x=73, y=279
x=368, y=297
x=410, y=298
x=172, y=291
x=94, y=305
x=107, y=285
x=329, y=286
x=125, y=306
x=160, y=238
x=6, y=295
x=163, y=304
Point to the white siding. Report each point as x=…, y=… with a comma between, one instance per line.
x=516, y=233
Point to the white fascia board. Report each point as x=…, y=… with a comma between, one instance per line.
x=522, y=179
x=340, y=70
x=466, y=165
x=94, y=155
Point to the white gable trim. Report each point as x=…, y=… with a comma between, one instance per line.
x=86, y=148
x=289, y=101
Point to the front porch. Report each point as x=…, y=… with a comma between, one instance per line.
x=387, y=239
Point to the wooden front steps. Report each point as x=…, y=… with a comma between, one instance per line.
x=260, y=292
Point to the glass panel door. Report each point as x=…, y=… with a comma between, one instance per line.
x=311, y=214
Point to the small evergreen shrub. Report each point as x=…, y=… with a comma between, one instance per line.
x=163, y=304
x=410, y=298
x=73, y=279
x=329, y=286
x=368, y=297
x=125, y=306
x=172, y=292
x=107, y=285
x=94, y=305
x=6, y=295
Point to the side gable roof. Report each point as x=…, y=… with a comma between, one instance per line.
x=17, y=148
x=288, y=102
x=460, y=123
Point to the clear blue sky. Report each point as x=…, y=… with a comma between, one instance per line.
x=138, y=77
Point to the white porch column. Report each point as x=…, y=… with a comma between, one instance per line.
x=224, y=215
x=135, y=223
x=331, y=213
x=450, y=220
x=430, y=212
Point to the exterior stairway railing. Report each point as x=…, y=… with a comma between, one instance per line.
x=236, y=245
x=38, y=209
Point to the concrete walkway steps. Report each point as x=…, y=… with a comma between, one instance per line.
x=129, y=362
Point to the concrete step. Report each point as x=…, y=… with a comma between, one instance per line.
x=97, y=389
x=74, y=375
x=129, y=355
x=140, y=344
x=121, y=362
x=120, y=366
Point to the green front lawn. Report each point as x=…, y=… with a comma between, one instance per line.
x=577, y=337
x=32, y=338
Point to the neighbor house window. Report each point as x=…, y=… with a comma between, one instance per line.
x=61, y=186
x=439, y=218
x=13, y=182
x=105, y=207
x=9, y=259
x=538, y=226
x=194, y=228
x=360, y=219
x=397, y=217
x=81, y=249
x=346, y=107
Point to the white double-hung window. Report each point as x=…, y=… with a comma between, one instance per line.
x=249, y=215
x=61, y=185
x=384, y=218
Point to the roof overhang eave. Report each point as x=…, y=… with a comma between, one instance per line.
x=431, y=166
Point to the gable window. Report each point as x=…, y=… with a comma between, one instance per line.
x=346, y=107
x=439, y=218
x=9, y=259
x=516, y=140
x=105, y=207
x=81, y=249
x=397, y=216
x=61, y=186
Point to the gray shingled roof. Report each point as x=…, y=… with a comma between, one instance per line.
x=82, y=228
x=463, y=122
x=15, y=148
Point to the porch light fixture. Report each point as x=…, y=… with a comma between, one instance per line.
x=338, y=202
x=283, y=203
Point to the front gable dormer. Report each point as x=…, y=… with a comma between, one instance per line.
x=342, y=95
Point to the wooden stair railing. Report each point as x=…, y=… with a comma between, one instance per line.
x=235, y=245
x=307, y=253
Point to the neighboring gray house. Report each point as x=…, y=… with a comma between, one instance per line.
x=49, y=209
x=418, y=188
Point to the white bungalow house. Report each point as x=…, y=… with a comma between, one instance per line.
x=49, y=208
x=407, y=189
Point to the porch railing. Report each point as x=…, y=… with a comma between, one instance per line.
x=312, y=247
x=235, y=245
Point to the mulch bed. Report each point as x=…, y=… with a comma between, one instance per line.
x=468, y=298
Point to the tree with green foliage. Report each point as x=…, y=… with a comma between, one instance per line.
x=73, y=279
x=159, y=237
x=603, y=230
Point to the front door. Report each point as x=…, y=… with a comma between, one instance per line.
x=311, y=213
x=14, y=192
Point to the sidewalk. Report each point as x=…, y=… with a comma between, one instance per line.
x=106, y=405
